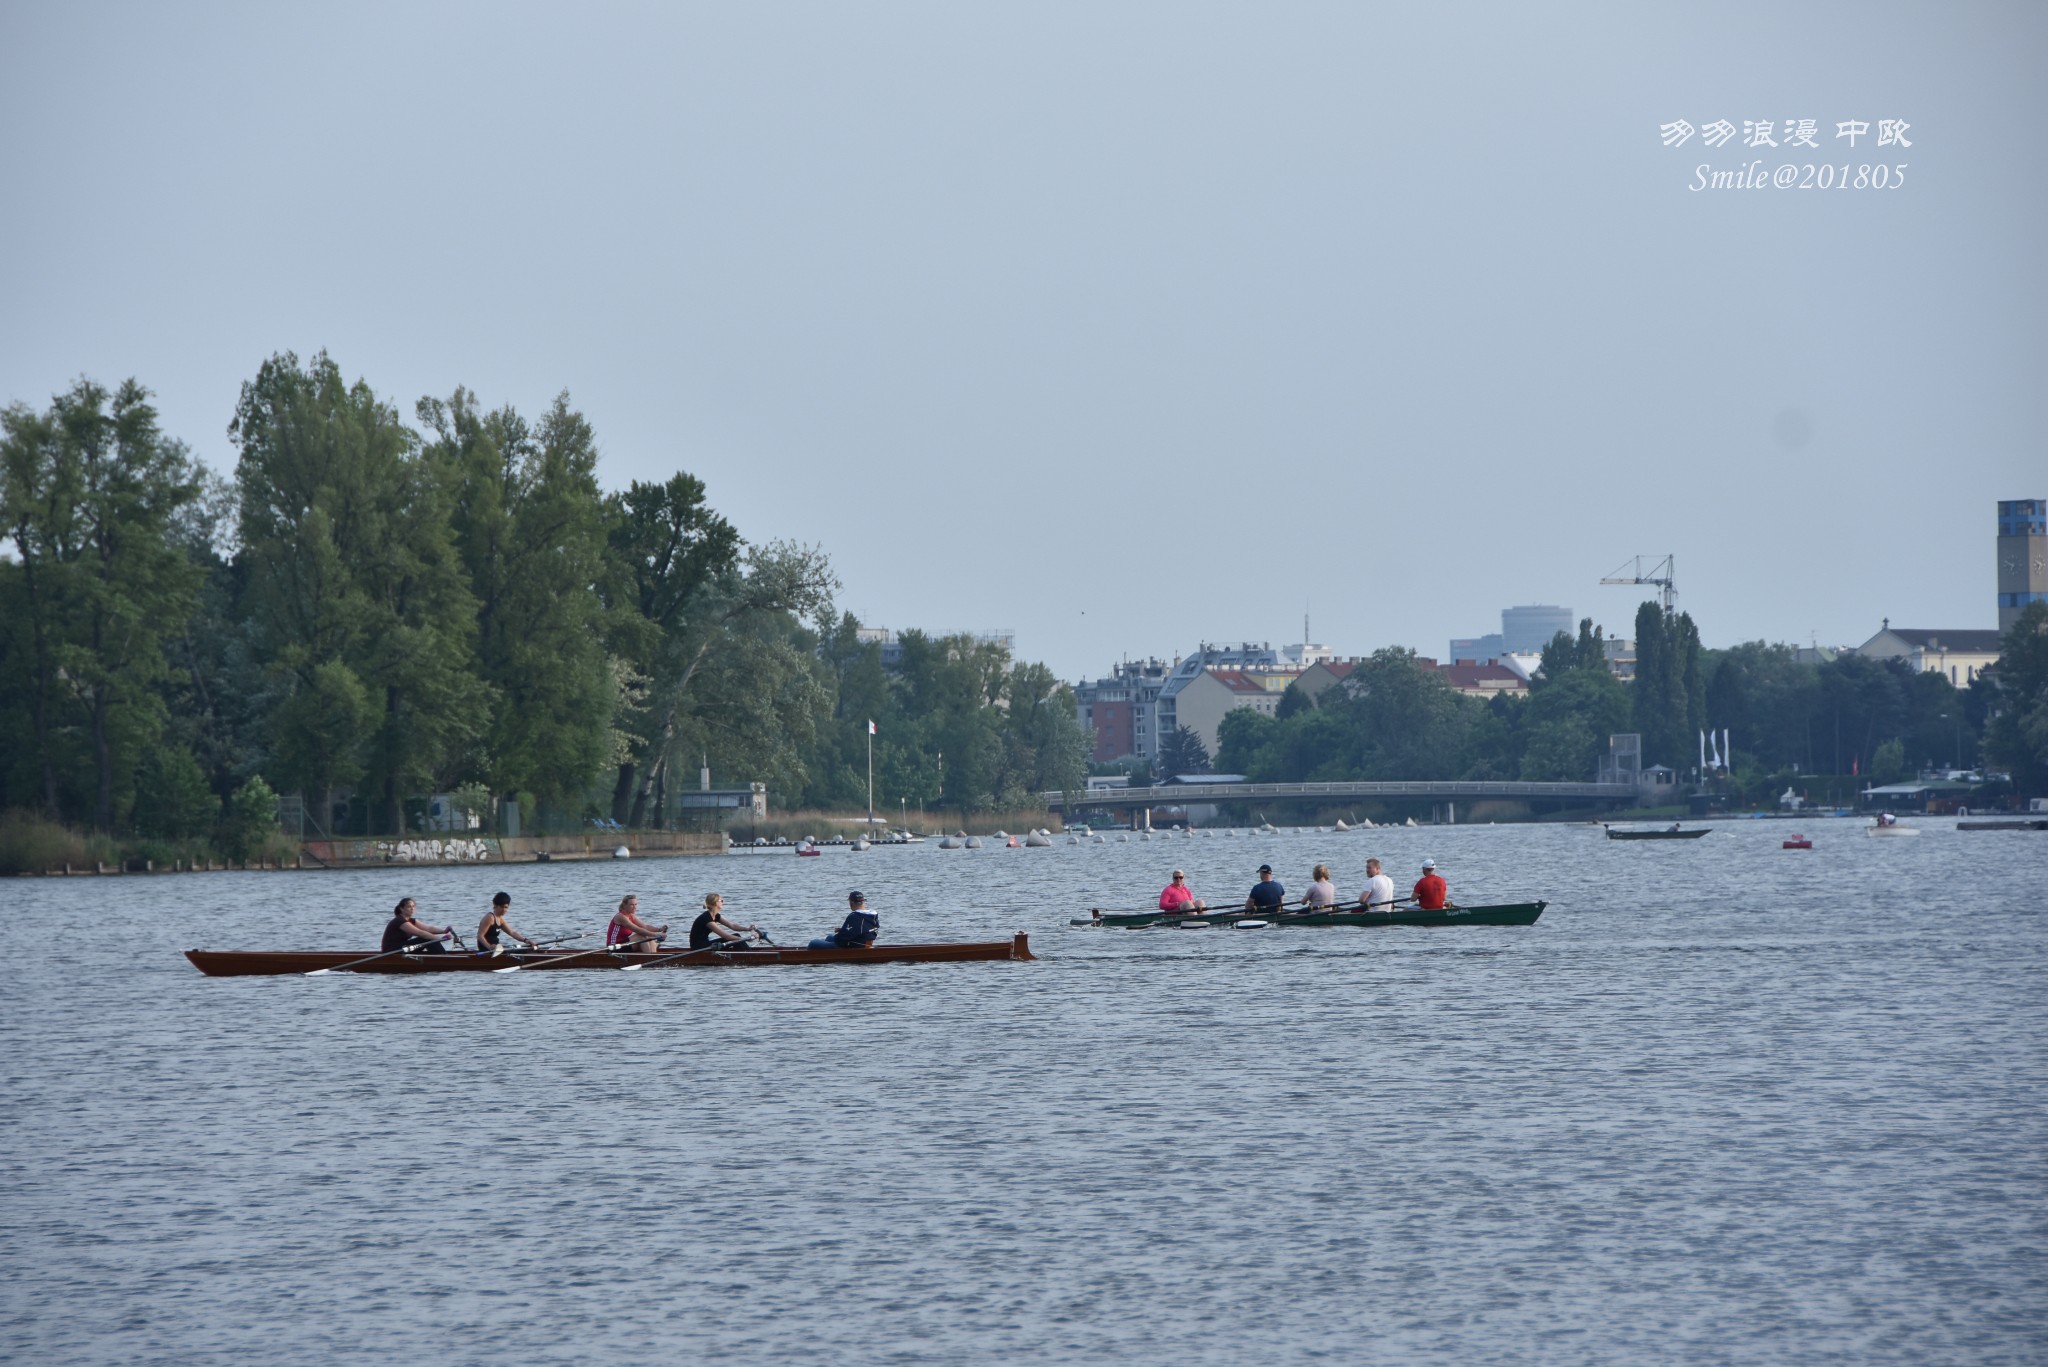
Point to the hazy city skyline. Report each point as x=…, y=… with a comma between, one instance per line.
x=1126, y=328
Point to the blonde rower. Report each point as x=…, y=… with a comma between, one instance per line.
x=628, y=932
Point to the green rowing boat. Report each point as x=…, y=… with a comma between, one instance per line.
x=1504, y=914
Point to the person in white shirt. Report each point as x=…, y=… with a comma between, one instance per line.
x=1379, y=889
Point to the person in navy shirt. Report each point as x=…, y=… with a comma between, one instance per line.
x=1268, y=894
x=857, y=931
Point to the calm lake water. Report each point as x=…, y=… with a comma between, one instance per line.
x=1724, y=1103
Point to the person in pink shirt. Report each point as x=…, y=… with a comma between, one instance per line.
x=1177, y=896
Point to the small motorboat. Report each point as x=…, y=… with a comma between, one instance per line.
x=1798, y=842
x=809, y=850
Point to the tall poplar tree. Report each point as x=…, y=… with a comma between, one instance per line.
x=528, y=523
x=353, y=582
x=1650, y=696
x=92, y=498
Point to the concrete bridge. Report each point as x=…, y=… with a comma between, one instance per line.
x=1183, y=794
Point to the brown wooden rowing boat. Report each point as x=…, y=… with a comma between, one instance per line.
x=238, y=963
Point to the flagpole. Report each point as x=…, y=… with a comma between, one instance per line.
x=871, y=775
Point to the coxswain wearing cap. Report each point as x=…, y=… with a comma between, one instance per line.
x=405, y=931
x=857, y=931
x=492, y=931
x=1269, y=894
x=628, y=932
x=1431, y=892
x=711, y=925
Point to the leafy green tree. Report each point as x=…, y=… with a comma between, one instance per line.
x=1045, y=746
x=172, y=798
x=91, y=493
x=1241, y=740
x=1861, y=704
x=1408, y=722
x=1767, y=700
x=528, y=522
x=349, y=557
x=739, y=672
x=322, y=723
x=1565, y=653
x=2017, y=735
x=250, y=819
x=1567, y=725
x=1888, y=762
x=670, y=555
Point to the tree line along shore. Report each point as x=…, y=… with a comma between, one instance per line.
x=373, y=611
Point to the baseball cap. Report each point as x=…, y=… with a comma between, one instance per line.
x=1265, y=868
x=1429, y=863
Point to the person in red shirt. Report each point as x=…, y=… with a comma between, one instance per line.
x=1431, y=892
x=1177, y=896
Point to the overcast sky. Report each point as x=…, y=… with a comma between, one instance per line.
x=1122, y=325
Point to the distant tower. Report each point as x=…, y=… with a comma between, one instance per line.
x=2022, y=557
x=1526, y=630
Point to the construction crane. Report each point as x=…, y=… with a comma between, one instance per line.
x=1664, y=574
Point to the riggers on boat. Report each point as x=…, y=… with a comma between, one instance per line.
x=1502, y=914
x=231, y=963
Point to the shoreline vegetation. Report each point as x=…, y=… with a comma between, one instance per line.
x=403, y=629
x=388, y=621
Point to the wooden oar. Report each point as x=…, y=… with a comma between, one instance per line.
x=704, y=949
x=387, y=954
x=583, y=954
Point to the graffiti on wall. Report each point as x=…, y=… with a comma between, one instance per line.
x=455, y=851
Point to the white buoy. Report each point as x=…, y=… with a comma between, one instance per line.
x=622, y=853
